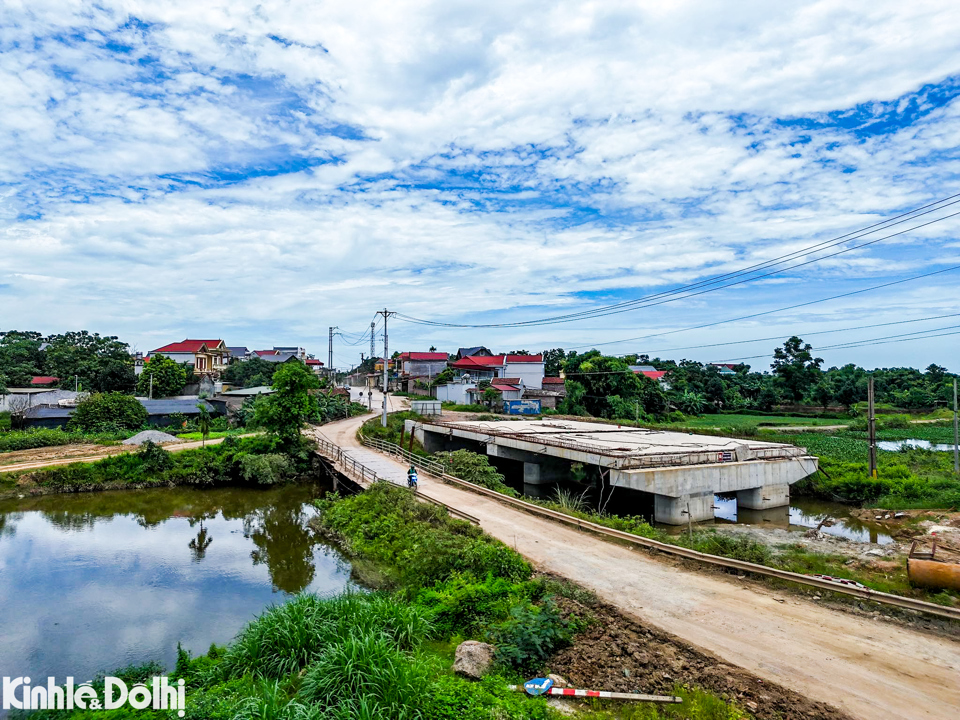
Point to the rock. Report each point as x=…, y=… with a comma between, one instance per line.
x=626, y=672
x=473, y=659
x=558, y=681
x=641, y=657
x=560, y=706
x=751, y=705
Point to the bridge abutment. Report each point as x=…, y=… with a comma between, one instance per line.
x=673, y=510
x=764, y=497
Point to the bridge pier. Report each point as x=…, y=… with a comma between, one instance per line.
x=764, y=497
x=673, y=510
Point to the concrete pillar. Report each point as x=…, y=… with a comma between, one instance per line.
x=767, y=496
x=672, y=510
x=533, y=474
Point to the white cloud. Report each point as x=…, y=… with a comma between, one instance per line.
x=262, y=172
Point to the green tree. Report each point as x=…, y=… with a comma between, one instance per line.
x=249, y=373
x=286, y=411
x=108, y=411
x=823, y=392
x=553, y=361
x=168, y=375
x=98, y=363
x=20, y=357
x=796, y=367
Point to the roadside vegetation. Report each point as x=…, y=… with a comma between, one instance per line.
x=388, y=653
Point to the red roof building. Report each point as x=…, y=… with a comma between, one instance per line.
x=548, y=381
x=40, y=380
x=423, y=356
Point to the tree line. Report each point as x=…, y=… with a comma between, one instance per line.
x=604, y=386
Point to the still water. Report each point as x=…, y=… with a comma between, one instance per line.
x=97, y=581
x=895, y=445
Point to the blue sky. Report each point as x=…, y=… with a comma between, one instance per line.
x=259, y=172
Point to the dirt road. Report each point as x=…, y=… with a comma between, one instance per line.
x=868, y=668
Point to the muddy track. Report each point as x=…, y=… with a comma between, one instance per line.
x=861, y=666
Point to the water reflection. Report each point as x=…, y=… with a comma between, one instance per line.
x=95, y=581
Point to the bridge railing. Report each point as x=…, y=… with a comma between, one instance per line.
x=349, y=465
x=389, y=448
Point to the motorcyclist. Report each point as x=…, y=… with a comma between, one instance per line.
x=412, y=477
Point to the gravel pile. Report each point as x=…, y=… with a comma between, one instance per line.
x=153, y=436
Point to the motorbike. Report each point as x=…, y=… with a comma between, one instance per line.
x=412, y=481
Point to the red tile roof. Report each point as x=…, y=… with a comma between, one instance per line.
x=503, y=388
x=313, y=361
x=652, y=374
x=423, y=356
x=188, y=346
x=44, y=380
x=261, y=353
x=554, y=381
x=524, y=358
x=478, y=361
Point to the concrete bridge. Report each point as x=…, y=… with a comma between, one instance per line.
x=681, y=471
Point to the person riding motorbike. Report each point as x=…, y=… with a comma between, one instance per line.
x=412, y=477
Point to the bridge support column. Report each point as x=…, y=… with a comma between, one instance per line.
x=764, y=497
x=673, y=510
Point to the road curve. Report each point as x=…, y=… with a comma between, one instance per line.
x=868, y=668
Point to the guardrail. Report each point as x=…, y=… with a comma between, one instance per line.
x=348, y=465
x=389, y=448
x=808, y=580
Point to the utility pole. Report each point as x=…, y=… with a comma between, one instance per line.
x=330, y=350
x=871, y=428
x=386, y=363
x=373, y=337
x=956, y=434
x=151, y=386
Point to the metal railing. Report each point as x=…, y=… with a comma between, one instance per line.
x=808, y=580
x=388, y=448
x=348, y=466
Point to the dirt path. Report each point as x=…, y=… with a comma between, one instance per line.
x=867, y=668
x=66, y=454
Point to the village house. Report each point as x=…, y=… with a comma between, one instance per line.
x=206, y=356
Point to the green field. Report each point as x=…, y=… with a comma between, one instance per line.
x=737, y=421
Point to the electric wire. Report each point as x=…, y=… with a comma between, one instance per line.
x=647, y=300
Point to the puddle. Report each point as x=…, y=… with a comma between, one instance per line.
x=802, y=514
x=895, y=445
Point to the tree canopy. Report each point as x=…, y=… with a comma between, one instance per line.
x=168, y=375
x=286, y=411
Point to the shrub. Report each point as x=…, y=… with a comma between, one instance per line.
x=474, y=468
x=154, y=458
x=530, y=635
x=465, y=606
x=268, y=469
x=108, y=411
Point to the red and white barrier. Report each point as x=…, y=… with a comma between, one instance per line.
x=576, y=692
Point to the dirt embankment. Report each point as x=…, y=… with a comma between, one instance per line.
x=619, y=653
x=922, y=526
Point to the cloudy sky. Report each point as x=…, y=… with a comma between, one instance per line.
x=259, y=171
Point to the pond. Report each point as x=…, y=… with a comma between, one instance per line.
x=96, y=581
x=895, y=445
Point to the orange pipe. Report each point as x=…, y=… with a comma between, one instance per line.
x=933, y=574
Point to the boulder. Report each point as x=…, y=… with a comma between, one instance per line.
x=473, y=659
x=558, y=681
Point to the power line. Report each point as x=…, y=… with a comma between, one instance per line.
x=647, y=301
x=778, y=337
x=781, y=309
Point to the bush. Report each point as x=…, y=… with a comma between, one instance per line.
x=530, y=635
x=465, y=606
x=268, y=469
x=154, y=458
x=108, y=411
x=474, y=468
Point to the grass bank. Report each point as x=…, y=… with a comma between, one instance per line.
x=388, y=654
x=259, y=460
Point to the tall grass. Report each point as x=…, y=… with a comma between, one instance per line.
x=288, y=637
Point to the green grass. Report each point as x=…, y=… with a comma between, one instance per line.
x=13, y=440
x=4, y=421
x=735, y=421
x=475, y=408
x=393, y=432
x=213, y=434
